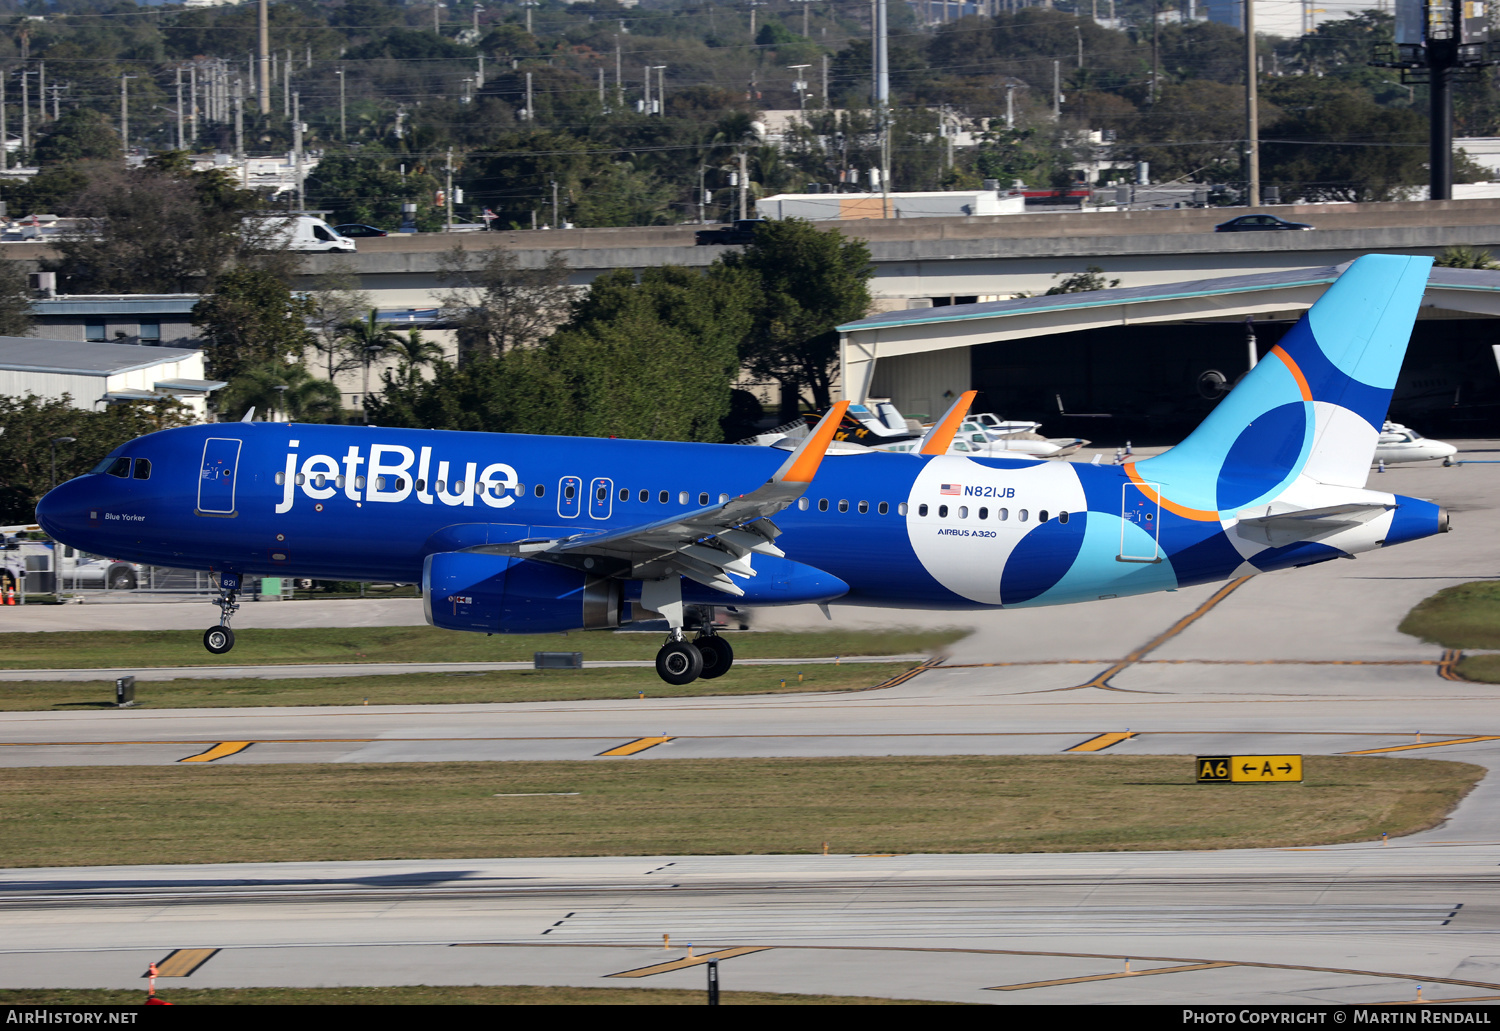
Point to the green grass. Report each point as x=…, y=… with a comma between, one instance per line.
x=442, y=688
x=111, y=648
x=424, y=995
x=1465, y=616
x=83, y=816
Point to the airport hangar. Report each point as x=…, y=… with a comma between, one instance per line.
x=1147, y=363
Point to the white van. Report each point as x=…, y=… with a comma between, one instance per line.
x=295, y=233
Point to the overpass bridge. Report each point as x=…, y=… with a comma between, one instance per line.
x=934, y=261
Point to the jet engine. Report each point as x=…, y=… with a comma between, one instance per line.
x=498, y=594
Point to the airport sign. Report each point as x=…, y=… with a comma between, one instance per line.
x=1248, y=769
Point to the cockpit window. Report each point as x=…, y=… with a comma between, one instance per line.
x=119, y=467
x=143, y=468
x=103, y=465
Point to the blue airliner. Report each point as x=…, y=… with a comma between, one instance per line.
x=525, y=534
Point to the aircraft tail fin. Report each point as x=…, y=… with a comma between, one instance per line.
x=1313, y=406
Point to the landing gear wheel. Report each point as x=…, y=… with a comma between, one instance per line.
x=679, y=662
x=718, y=656
x=218, y=639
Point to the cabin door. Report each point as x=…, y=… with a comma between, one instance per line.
x=217, y=475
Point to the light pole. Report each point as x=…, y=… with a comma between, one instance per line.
x=477, y=9
x=56, y=441
x=529, y=4
x=343, y=127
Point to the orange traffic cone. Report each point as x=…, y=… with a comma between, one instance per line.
x=10, y=594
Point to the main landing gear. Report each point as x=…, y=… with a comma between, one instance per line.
x=681, y=661
x=219, y=639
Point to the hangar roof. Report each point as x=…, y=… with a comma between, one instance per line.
x=74, y=357
x=932, y=329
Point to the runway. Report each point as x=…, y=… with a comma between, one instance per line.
x=1307, y=661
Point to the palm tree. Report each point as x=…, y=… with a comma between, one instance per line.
x=368, y=339
x=288, y=389
x=414, y=352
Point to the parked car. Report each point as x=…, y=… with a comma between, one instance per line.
x=354, y=229
x=463, y=225
x=741, y=230
x=1257, y=223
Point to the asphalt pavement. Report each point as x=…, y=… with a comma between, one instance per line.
x=1306, y=661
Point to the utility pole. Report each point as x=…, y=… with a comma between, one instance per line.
x=286, y=90
x=125, y=114
x=297, y=147
x=26, y=110
x=646, y=106
x=1010, y=105
x=744, y=183
x=193, y=103
x=264, y=82
x=530, y=114
x=343, y=125
x=181, y=143
x=825, y=82
x=601, y=86
x=1056, y=91
x=239, y=119
x=41, y=92
x=556, y=217
x=4, y=133
x=477, y=9
x=448, y=192
x=799, y=84
x=1252, y=111
x=479, y=81
x=883, y=105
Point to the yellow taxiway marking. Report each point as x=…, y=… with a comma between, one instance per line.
x=1102, y=681
x=640, y=744
x=680, y=964
x=1448, y=664
x=1424, y=744
x=1107, y=977
x=218, y=751
x=1101, y=742
x=182, y=962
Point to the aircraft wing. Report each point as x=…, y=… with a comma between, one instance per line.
x=1281, y=528
x=708, y=544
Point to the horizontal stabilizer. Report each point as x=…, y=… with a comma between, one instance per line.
x=1278, y=529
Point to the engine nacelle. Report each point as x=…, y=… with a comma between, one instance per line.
x=498, y=594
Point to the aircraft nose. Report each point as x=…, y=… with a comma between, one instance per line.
x=62, y=510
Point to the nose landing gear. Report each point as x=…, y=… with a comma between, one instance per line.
x=219, y=639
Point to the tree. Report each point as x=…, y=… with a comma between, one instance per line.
x=807, y=280
x=335, y=301
x=251, y=319
x=413, y=352
x=652, y=359
x=499, y=305
x=157, y=229
x=278, y=388
x=367, y=340
x=15, y=300
x=1092, y=278
x=79, y=135
x=1337, y=145
x=1466, y=257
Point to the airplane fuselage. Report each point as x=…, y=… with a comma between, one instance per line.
x=371, y=503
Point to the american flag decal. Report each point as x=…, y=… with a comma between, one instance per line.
x=952, y=488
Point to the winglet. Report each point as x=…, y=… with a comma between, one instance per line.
x=945, y=429
x=802, y=465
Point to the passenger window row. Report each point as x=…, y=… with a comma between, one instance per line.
x=1001, y=514
x=863, y=507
